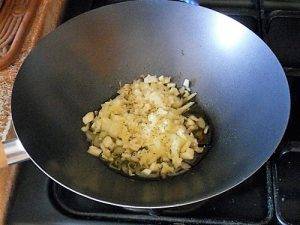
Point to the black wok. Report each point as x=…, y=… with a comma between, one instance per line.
x=240, y=84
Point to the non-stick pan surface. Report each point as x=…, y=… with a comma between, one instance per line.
x=240, y=85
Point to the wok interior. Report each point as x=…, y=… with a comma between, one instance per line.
x=244, y=95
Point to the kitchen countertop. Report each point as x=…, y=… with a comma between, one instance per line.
x=46, y=19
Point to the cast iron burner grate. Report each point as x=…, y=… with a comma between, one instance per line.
x=249, y=203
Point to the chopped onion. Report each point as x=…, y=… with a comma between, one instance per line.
x=144, y=131
x=93, y=150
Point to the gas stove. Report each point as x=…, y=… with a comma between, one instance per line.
x=271, y=196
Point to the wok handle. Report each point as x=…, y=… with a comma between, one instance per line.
x=12, y=151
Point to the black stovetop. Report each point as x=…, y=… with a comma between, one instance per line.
x=271, y=196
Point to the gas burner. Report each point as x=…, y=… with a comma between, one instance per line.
x=231, y=206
